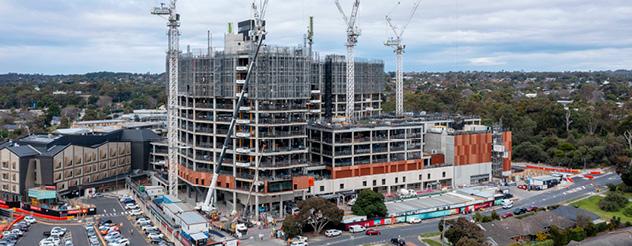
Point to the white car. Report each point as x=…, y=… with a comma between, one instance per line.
x=125, y=197
x=112, y=235
x=149, y=227
x=414, y=221
x=120, y=242
x=136, y=212
x=131, y=206
x=300, y=238
x=155, y=236
x=17, y=232
x=58, y=231
x=46, y=242
x=333, y=233
x=30, y=219
x=298, y=244
x=55, y=240
x=142, y=220
x=356, y=228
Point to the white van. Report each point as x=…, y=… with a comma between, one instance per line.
x=356, y=228
x=507, y=204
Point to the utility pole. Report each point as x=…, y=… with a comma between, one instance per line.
x=172, y=101
x=352, y=38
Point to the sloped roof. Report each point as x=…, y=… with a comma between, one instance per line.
x=572, y=213
x=139, y=135
x=23, y=150
x=503, y=232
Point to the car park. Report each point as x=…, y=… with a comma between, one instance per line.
x=333, y=233
x=372, y=232
x=398, y=241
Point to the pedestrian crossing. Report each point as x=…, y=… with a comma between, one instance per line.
x=111, y=213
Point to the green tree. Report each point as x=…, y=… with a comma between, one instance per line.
x=559, y=236
x=369, y=203
x=614, y=201
x=576, y=234
x=292, y=226
x=461, y=228
x=318, y=212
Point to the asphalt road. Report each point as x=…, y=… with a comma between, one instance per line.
x=110, y=208
x=580, y=188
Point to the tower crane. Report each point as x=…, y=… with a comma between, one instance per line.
x=173, y=22
x=257, y=35
x=398, y=47
x=352, y=38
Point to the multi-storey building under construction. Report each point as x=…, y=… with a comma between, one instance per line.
x=286, y=144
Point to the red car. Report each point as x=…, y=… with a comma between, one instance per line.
x=373, y=232
x=532, y=209
x=522, y=187
x=507, y=215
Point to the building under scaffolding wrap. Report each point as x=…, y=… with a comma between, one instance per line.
x=369, y=86
x=270, y=162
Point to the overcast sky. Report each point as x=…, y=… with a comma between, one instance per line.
x=78, y=36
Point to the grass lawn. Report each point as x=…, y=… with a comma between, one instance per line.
x=592, y=204
x=431, y=242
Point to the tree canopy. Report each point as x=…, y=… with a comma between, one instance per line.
x=369, y=203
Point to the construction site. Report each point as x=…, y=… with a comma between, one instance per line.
x=255, y=128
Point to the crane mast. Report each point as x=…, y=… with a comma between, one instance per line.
x=172, y=101
x=352, y=38
x=398, y=48
x=257, y=35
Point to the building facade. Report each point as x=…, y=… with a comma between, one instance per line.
x=70, y=162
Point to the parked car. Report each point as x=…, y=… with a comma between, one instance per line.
x=356, y=228
x=532, y=209
x=373, y=232
x=155, y=231
x=301, y=238
x=522, y=187
x=130, y=206
x=120, y=242
x=519, y=211
x=414, y=221
x=58, y=231
x=398, y=241
x=507, y=204
x=507, y=215
x=136, y=212
x=154, y=235
x=30, y=219
x=298, y=244
x=333, y=233
x=17, y=232
x=149, y=227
